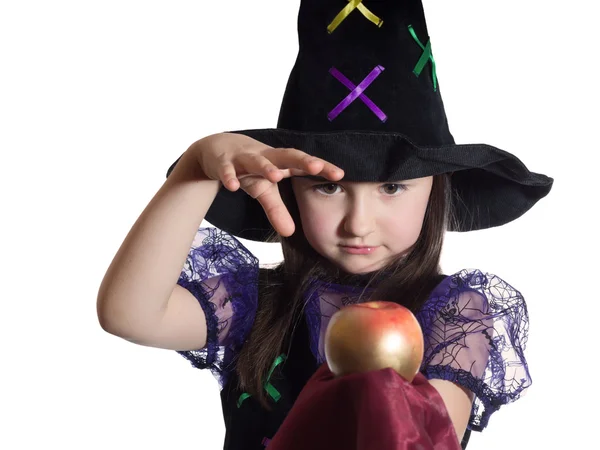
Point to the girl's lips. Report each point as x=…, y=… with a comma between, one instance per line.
x=362, y=250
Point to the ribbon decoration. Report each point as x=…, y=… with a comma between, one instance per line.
x=273, y=393
x=425, y=57
x=351, y=6
x=357, y=92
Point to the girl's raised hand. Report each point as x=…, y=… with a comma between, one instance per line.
x=238, y=161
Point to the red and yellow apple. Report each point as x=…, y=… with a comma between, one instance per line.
x=372, y=336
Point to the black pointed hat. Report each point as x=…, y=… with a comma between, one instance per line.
x=364, y=95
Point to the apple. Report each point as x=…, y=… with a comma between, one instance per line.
x=372, y=336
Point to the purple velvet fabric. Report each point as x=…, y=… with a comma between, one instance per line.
x=475, y=324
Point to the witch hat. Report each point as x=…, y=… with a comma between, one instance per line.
x=364, y=95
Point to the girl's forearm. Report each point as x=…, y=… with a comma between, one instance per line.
x=138, y=283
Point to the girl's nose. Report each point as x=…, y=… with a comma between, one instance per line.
x=359, y=220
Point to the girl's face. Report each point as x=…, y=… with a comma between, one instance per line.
x=360, y=227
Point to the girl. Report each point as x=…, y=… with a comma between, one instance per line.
x=358, y=183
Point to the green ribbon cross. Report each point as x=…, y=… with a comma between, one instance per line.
x=273, y=393
x=424, y=59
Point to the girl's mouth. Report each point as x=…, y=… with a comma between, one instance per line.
x=359, y=250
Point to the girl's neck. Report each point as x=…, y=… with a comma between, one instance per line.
x=333, y=275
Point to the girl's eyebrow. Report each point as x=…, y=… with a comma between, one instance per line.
x=316, y=178
x=319, y=179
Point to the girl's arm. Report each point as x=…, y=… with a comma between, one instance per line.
x=458, y=401
x=139, y=299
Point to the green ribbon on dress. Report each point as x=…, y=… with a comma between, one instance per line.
x=425, y=57
x=273, y=393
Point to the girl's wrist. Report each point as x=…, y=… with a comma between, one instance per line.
x=188, y=167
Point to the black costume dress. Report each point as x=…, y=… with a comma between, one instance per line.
x=474, y=326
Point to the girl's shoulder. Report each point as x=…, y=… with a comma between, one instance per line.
x=222, y=274
x=215, y=252
x=471, y=295
x=470, y=282
x=475, y=327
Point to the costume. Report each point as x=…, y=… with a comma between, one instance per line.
x=364, y=95
x=475, y=328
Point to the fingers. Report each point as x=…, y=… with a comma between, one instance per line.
x=256, y=164
x=247, y=164
x=267, y=194
x=297, y=163
x=274, y=164
x=276, y=211
x=228, y=176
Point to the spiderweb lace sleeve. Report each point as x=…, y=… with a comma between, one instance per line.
x=475, y=327
x=223, y=276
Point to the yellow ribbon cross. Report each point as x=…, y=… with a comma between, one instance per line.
x=351, y=6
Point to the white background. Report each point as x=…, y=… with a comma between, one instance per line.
x=98, y=98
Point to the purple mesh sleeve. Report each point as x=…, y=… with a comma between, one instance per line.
x=223, y=276
x=475, y=327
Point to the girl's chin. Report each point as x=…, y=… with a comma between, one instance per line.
x=352, y=264
x=358, y=269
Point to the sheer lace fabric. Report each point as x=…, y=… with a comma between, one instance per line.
x=223, y=276
x=474, y=324
x=475, y=327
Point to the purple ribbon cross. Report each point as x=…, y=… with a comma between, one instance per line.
x=357, y=92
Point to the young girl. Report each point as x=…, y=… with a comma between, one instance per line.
x=358, y=183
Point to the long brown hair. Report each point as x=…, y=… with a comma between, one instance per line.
x=408, y=281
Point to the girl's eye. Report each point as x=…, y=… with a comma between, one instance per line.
x=392, y=188
x=327, y=189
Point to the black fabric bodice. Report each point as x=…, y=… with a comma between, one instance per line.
x=250, y=426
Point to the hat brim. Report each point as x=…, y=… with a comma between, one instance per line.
x=490, y=187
